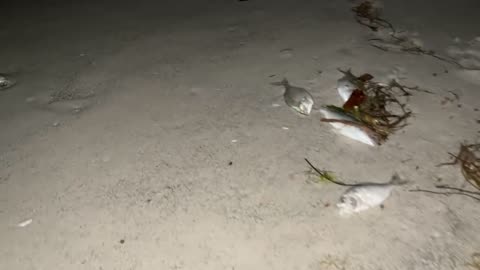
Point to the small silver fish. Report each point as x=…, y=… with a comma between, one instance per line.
x=346, y=85
x=365, y=196
x=349, y=131
x=5, y=82
x=297, y=98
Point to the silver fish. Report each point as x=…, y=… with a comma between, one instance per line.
x=5, y=82
x=297, y=98
x=350, y=131
x=346, y=85
x=365, y=196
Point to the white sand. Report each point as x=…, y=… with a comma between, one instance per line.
x=183, y=89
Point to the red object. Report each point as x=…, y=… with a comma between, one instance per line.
x=356, y=98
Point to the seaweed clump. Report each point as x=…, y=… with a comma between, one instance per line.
x=377, y=109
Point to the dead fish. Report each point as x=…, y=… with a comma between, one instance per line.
x=297, y=98
x=348, y=130
x=5, y=82
x=361, y=197
x=346, y=85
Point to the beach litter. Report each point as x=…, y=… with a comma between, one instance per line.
x=360, y=196
x=25, y=223
x=297, y=98
x=371, y=111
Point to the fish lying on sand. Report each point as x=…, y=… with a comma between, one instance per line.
x=346, y=85
x=297, y=98
x=360, y=197
x=350, y=127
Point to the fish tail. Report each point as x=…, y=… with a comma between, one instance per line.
x=397, y=181
x=284, y=83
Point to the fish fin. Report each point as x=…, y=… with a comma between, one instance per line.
x=396, y=180
x=284, y=83
x=347, y=72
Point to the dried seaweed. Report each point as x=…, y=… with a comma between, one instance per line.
x=326, y=175
x=406, y=45
x=447, y=193
x=404, y=88
x=456, y=98
x=367, y=14
x=470, y=166
x=458, y=189
x=475, y=264
x=333, y=263
x=469, y=163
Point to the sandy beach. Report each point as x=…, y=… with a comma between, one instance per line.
x=147, y=135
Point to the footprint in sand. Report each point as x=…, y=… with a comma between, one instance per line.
x=286, y=53
x=62, y=101
x=467, y=54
